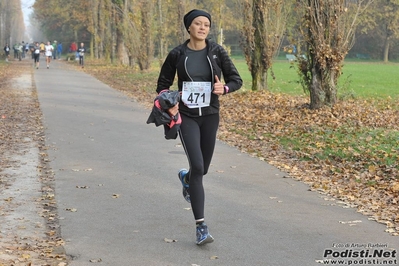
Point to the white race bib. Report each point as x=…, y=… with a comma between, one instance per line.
x=196, y=94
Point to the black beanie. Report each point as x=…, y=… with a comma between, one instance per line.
x=190, y=16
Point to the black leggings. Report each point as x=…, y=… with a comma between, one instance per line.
x=198, y=137
x=36, y=58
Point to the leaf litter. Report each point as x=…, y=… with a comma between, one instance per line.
x=31, y=238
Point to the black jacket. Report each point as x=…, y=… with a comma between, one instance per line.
x=220, y=63
x=160, y=116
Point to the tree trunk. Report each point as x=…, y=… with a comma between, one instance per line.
x=120, y=41
x=162, y=39
x=146, y=44
x=181, y=12
x=258, y=69
x=331, y=91
x=92, y=46
x=95, y=25
x=316, y=91
x=386, y=50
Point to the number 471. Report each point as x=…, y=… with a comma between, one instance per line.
x=196, y=96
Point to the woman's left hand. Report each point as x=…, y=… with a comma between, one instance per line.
x=174, y=110
x=218, y=87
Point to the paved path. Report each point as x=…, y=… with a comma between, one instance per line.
x=119, y=197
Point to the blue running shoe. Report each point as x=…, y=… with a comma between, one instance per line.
x=203, y=236
x=182, y=173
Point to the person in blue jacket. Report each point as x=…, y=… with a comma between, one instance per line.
x=59, y=50
x=199, y=64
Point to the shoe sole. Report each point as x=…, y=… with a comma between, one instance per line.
x=207, y=240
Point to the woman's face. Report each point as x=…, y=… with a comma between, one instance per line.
x=199, y=28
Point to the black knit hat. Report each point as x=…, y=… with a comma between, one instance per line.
x=190, y=16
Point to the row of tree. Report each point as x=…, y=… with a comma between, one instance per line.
x=133, y=32
x=12, y=27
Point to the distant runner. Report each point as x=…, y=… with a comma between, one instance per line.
x=81, y=52
x=49, y=53
x=36, y=55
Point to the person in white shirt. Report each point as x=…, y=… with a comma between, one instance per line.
x=49, y=53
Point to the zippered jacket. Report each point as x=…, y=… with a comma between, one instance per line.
x=219, y=61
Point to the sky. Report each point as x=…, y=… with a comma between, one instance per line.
x=26, y=4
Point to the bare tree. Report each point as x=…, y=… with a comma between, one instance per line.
x=146, y=46
x=12, y=27
x=264, y=26
x=382, y=18
x=328, y=27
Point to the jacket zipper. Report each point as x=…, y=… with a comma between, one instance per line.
x=212, y=77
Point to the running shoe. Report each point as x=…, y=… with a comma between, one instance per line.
x=203, y=236
x=182, y=173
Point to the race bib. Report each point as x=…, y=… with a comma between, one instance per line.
x=196, y=94
x=7, y=49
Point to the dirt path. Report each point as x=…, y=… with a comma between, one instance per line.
x=29, y=234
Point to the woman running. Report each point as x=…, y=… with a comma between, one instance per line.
x=199, y=64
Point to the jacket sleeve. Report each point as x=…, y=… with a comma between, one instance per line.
x=230, y=73
x=171, y=129
x=168, y=72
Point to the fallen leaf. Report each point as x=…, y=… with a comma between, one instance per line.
x=350, y=222
x=95, y=260
x=167, y=240
x=395, y=187
x=25, y=256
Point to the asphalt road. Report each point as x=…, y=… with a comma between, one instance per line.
x=120, y=203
